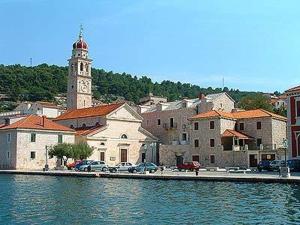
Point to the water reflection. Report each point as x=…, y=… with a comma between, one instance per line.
x=67, y=200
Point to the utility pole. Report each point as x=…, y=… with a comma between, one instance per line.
x=30, y=61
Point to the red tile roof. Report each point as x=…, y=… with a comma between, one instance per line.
x=214, y=114
x=294, y=89
x=35, y=122
x=233, y=133
x=83, y=131
x=248, y=114
x=101, y=110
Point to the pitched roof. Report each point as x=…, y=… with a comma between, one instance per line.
x=214, y=114
x=101, y=110
x=234, y=133
x=83, y=131
x=248, y=114
x=297, y=88
x=35, y=122
x=257, y=113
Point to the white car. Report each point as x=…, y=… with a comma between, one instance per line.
x=124, y=166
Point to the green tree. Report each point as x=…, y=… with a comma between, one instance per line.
x=81, y=151
x=61, y=150
x=255, y=101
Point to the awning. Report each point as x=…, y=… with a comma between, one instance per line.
x=236, y=134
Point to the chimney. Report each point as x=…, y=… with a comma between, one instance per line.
x=6, y=121
x=43, y=121
x=201, y=96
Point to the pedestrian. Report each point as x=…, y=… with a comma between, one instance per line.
x=197, y=171
x=162, y=168
x=89, y=168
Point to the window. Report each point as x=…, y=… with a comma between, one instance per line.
x=60, y=139
x=32, y=155
x=258, y=142
x=8, y=155
x=84, y=125
x=298, y=108
x=212, y=143
x=242, y=126
x=8, y=138
x=147, y=122
x=196, y=158
x=158, y=122
x=212, y=158
x=81, y=66
x=124, y=136
x=33, y=137
x=184, y=136
x=212, y=125
x=143, y=157
x=171, y=122
x=102, y=156
x=196, y=126
x=196, y=143
x=71, y=126
x=258, y=125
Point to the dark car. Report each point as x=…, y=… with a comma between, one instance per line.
x=294, y=165
x=151, y=167
x=264, y=165
x=194, y=165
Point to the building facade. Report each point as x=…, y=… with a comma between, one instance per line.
x=222, y=139
x=114, y=131
x=24, y=141
x=293, y=113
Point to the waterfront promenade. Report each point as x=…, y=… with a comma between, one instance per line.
x=169, y=175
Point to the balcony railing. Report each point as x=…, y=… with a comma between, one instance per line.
x=169, y=126
x=180, y=142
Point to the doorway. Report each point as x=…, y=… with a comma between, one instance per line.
x=179, y=160
x=123, y=155
x=253, y=160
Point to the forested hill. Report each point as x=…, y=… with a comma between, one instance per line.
x=43, y=82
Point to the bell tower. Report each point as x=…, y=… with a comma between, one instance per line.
x=79, y=78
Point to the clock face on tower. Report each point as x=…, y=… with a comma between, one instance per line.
x=84, y=86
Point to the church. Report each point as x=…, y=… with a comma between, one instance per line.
x=114, y=131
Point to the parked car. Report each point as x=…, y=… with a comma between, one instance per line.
x=151, y=167
x=94, y=166
x=83, y=162
x=276, y=164
x=123, y=166
x=294, y=165
x=194, y=165
x=73, y=164
x=264, y=165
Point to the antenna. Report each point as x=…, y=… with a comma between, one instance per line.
x=30, y=61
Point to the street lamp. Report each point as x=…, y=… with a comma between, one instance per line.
x=46, y=162
x=285, y=146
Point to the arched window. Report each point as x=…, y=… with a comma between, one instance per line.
x=87, y=68
x=72, y=127
x=102, y=143
x=97, y=124
x=83, y=125
x=81, y=66
x=124, y=136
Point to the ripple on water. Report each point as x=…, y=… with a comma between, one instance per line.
x=67, y=200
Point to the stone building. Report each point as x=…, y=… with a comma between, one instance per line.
x=169, y=120
x=223, y=139
x=24, y=141
x=293, y=113
x=114, y=131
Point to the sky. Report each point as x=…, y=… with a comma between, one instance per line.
x=253, y=44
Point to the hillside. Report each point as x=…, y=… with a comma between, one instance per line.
x=43, y=82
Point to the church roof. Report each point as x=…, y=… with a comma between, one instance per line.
x=100, y=111
x=35, y=122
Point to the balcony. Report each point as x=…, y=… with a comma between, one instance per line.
x=170, y=126
x=180, y=142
